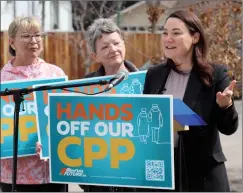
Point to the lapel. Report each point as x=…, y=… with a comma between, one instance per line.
x=100, y=72
x=193, y=89
x=162, y=78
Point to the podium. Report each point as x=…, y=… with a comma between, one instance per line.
x=184, y=117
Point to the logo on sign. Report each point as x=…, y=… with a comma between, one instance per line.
x=72, y=172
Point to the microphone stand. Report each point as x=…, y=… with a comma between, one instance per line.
x=18, y=97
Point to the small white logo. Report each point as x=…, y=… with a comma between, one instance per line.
x=72, y=172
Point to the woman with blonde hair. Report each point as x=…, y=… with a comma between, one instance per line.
x=25, y=45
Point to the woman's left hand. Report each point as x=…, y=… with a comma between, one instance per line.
x=224, y=99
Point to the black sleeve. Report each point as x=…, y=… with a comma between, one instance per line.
x=90, y=75
x=226, y=118
x=146, y=87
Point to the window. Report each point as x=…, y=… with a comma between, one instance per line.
x=55, y=14
x=132, y=28
x=141, y=28
x=33, y=8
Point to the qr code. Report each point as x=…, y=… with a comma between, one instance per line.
x=155, y=170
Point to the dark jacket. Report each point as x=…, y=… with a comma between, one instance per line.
x=88, y=188
x=204, y=158
x=101, y=71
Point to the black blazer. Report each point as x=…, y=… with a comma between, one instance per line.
x=202, y=145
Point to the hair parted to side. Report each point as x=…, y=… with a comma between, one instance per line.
x=203, y=68
x=99, y=27
x=26, y=23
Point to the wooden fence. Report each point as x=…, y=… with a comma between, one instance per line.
x=67, y=51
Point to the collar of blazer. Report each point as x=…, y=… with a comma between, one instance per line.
x=193, y=88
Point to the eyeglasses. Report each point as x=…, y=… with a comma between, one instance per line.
x=28, y=37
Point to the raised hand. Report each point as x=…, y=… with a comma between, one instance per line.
x=224, y=99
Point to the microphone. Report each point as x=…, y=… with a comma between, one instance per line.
x=120, y=76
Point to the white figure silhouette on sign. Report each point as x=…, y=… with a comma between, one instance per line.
x=136, y=87
x=156, y=118
x=125, y=89
x=143, y=125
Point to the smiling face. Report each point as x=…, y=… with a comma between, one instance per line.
x=177, y=40
x=110, y=50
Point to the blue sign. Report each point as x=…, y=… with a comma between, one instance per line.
x=27, y=119
x=112, y=140
x=184, y=115
x=132, y=85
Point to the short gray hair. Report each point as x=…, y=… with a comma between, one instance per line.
x=99, y=27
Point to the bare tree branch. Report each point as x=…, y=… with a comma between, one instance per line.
x=102, y=7
x=84, y=12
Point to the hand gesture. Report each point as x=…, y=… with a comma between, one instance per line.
x=224, y=99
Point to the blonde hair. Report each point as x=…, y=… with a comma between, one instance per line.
x=26, y=23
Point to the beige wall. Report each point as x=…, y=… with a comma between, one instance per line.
x=139, y=17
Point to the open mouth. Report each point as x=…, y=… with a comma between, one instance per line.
x=170, y=47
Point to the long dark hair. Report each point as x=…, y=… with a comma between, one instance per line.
x=202, y=67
